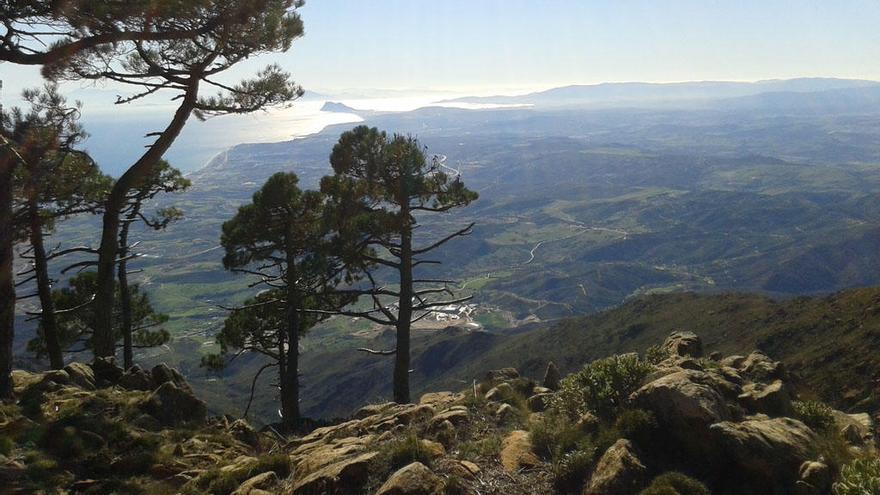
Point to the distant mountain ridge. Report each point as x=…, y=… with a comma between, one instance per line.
x=635, y=92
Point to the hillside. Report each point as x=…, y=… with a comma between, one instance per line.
x=826, y=342
x=673, y=422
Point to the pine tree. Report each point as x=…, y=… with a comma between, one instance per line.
x=382, y=188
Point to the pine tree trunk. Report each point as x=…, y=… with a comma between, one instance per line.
x=290, y=379
x=7, y=284
x=404, y=314
x=48, y=320
x=104, y=341
x=125, y=300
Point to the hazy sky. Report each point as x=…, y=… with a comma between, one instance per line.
x=491, y=45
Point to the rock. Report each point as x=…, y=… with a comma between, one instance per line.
x=766, y=454
x=341, y=478
x=551, y=377
x=258, y=482
x=505, y=412
x=715, y=356
x=57, y=376
x=471, y=467
x=815, y=479
x=413, y=479
x=516, y=452
x=683, y=401
x=683, y=344
x=136, y=379
x=372, y=410
x=313, y=457
x=498, y=392
x=444, y=432
x=455, y=415
x=540, y=390
x=162, y=373
x=244, y=433
x=106, y=371
x=772, y=400
x=433, y=449
x=759, y=367
x=81, y=375
x=172, y=405
x=539, y=402
x=856, y=429
x=502, y=375
x=414, y=413
x=440, y=399
x=618, y=472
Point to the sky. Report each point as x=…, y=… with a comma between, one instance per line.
x=488, y=46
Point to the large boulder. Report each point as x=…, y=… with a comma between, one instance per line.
x=340, y=478
x=502, y=375
x=81, y=375
x=683, y=400
x=551, y=377
x=162, y=373
x=136, y=379
x=771, y=399
x=683, y=344
x=517, y=452
x=763, y=454
x=257, y=483
x=618, y=472
x=413, y=479
x=172, y=405
x=106, y=372
x=759, y=367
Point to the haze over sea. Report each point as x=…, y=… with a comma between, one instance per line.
x=202, y=140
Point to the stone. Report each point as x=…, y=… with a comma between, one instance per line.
x=470, y=466
x=244, y=433
x=619, y=471
x=765, y=453
x=412, y=479
x=106, y=371
x=759, y=367
x=539, y=402
x=258, y=482
x=856, y=429
x=773, y=400
x=551, y=377
x=312, y=457
x=734, y=361
x=715, y=356
x=433, y=449
x=502, y=375
x=172, y=405
x=683, y=344
x=341, y=478
x=505, y=412
x=162, y=373
x=441, y=399
x=137, y=379
x=516, y=452
x=499, y=392
x=815, y=479
x=683, y=400
x=57, y=376
x=456, y=416
x=81, y=375
x=540, y=390
x=444, y=432
x=372, y=410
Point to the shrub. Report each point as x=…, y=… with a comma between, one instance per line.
x=674, y=483
x=219, y=482
x=489, y=446
x=817, y=415
x=655, y=354
x=572, y=469
x=6, y=445
x=637, y=425
x=556, y=435
x=601, y=387
x=861, y=476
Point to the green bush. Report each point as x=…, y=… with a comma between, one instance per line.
x=655, y=354
x=674, y=483
x=489, y=446
x=555, y=435
x=637, y=425
x=572, y=469
x=859, y=477
x=817, y=415
x=219, y=482
x=6, y=445
x=601, y=387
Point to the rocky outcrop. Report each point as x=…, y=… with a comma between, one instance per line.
x=620, y=471
x=517, y=453
x=551, y=377
x=340, y=478
x=413, y=479
x=764, y=452
x=172, y=405
x=683, y=344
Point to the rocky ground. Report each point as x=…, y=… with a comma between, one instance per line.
x=671, y=422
